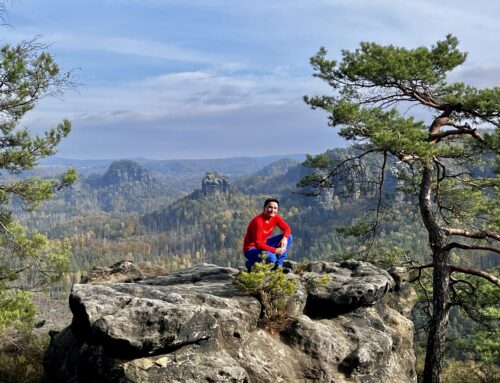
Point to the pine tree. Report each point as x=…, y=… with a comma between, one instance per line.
x=27, y=259
x=447, y=166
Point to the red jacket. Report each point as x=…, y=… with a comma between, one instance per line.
x=259, y=229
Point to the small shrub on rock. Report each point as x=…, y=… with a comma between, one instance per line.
x=271, y=287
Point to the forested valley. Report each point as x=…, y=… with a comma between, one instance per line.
x=130, y=212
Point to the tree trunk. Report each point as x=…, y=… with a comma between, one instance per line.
x=438, y=325
x=441, y=280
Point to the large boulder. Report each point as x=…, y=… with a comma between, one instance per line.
x=337, y=288
x=195, y=325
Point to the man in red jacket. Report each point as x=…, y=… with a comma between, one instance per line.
x=258, y=245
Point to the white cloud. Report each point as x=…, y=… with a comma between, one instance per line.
x=481, y=75
x=228, y=70
x=174, y=95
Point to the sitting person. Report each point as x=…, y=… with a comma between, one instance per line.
x=257, y=240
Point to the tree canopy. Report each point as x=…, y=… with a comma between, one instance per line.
x=440, y=139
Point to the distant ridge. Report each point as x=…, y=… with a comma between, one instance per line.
x=184, y=173
x=68, y=161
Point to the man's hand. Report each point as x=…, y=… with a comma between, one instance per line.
x=282, y=246
x=283, y=242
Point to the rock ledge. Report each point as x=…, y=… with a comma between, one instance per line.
x=195, y=325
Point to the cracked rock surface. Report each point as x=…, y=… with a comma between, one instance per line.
x=194, y=325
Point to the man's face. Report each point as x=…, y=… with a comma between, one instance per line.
x=271, y=209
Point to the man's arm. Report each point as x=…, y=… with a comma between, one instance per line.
x=257, y=230
x=284, y=227
x=286, y=233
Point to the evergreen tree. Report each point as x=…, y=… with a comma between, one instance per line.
x=27, y=259
x=375, y=89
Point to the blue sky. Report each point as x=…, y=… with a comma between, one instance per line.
x=171, y=79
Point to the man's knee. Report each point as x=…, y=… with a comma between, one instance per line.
x=271, y=258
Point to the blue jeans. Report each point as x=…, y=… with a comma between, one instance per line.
x=255, y=255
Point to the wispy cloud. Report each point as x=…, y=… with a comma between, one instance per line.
x=218, y=75
x=175, y=95
x=132, y=47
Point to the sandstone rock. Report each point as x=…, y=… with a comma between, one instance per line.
x=403, y=297
x=214, y=184
x=337, y=288
x=123, y=271
x=64, y=356
x=194, y=325
x=123, y=171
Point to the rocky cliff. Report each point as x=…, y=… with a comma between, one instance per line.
x=195, y=325
x=214, y=184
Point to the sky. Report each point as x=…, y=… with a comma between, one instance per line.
x=181, y=79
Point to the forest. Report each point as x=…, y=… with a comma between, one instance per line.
x=136, y=217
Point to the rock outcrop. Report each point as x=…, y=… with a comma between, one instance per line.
x=123, y=271
x=214, y=184
x=195, y=325
x=123, y=171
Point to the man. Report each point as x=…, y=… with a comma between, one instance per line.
x=258, y=246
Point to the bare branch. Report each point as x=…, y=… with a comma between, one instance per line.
x=421, y=267
x=486, y=118
x=413, y=265
x=4, y=229
x=477, y=273
x=379, y=203
x=472, y=234
x=456, y=245
x=447, y=133
x=460, y=269
x=324, y=181
x=468, y=283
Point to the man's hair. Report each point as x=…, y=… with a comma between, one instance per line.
x=269, y=200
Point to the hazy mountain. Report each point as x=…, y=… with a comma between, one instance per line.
x=233, y=166
x=125, y=187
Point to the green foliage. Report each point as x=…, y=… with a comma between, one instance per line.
x=22, y=360
x=479, y=340
x=324, y=280
x=361, y=228
x=271, y=287
x=479, y=298
x=369, y=83
x=301, y=267
x=470, y=372
x=484, y=346
x=32, y=251
x=375, y=63
x=16, y=310
x=28, y=260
